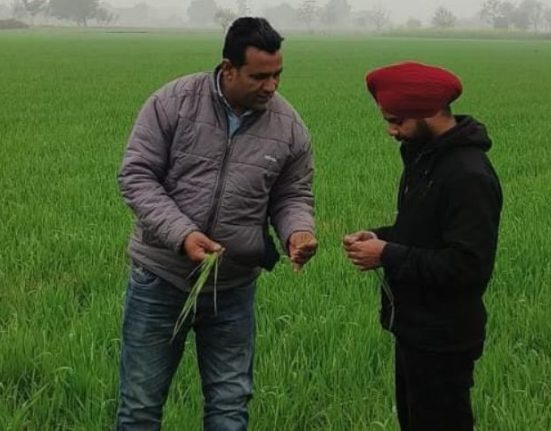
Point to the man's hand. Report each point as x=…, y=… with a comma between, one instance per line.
x=302, y=246
x=197, y=246
x=365, y=254
x=362, y=235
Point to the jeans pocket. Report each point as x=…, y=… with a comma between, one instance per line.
x=141, y=275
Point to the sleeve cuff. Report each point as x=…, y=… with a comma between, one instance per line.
x=393, y=256
x=179, y=236
x=285, y=240
x=381, y=232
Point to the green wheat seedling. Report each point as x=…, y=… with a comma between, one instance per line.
x=205, y=268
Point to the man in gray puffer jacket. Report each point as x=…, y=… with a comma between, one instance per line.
x=213, y=159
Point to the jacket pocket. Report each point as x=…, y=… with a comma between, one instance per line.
x=245, y=244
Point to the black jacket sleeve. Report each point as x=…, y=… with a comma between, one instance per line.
x=470, y=221
x=382, y=232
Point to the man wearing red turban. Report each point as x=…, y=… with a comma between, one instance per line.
x=439, y=254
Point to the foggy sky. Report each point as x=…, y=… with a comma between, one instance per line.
x=400, y=10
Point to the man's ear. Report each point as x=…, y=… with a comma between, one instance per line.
x=227, y=67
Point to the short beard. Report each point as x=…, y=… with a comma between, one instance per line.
x=423, y=134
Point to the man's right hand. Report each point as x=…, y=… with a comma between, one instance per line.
x=362, y=235
x=197, y=246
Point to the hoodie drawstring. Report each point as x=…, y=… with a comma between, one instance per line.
x=389, y=295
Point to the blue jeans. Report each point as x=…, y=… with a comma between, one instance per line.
x=225, y=348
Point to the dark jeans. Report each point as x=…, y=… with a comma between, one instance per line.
x=433, y=388
x=225, y=347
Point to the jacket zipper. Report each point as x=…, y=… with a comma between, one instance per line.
x=408, y=172
x=402, y=195
x=215, y=207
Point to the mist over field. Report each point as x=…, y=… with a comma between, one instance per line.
x=313, y=16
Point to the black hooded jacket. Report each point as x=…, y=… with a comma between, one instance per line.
x=441, y=248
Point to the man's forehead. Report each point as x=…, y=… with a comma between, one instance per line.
x=259, y=58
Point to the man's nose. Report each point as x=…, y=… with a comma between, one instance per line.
x=270, y=85
x=392, y=130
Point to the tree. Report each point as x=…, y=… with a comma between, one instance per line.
x=491, y=11
x=529, y=14
x=379, y=17
x=547, y=16
x=507, y=13
x=79, y=11
x=520, y=19
x=18, y=10
x=201, y=12
x=335, y=12
x=224, y=17
x=498, y=13
x=443, y=18
x=308, y=12
x=105, y=17
x=105, y=14
x=34, y=7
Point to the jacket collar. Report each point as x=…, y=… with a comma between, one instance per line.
x=216, y=91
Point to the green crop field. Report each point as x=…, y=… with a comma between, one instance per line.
x=67, y=103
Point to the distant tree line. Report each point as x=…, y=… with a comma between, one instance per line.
x=310, y=15
x=78, y=11
x=527, y=15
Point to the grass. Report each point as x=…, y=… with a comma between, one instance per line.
x=205, y=269
x=68, y=101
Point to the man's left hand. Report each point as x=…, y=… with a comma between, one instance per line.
x=366, y=255
x=302, y=246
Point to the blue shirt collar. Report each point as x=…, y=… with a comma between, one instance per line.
x=226, y=103
x=234, y=120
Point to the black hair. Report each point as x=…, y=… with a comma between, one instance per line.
x=245, y=32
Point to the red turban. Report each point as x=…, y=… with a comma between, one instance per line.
x=413, y=90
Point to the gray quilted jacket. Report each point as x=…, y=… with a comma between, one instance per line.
x=182, y=173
